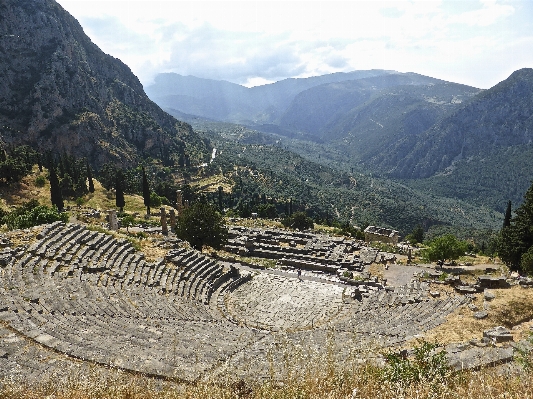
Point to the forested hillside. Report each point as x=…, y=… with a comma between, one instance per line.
x=326, y=193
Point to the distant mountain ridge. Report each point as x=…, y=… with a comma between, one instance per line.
x=230, y=102
x=60, y=92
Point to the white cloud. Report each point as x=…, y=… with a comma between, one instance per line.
x=248, y=42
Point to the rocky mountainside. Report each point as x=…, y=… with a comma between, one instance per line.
x=60, y=92
x=493, y=121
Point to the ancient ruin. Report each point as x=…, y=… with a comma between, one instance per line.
x=381, y=234
x=83, y=298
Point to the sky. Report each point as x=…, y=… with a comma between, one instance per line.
x=473, y=42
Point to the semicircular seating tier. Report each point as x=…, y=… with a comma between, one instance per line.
x=92, y=297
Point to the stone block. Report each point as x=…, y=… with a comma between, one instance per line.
x=498, y=334
x=488, y=295
x=481, y=315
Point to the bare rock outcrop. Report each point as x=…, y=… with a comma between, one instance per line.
x=59, y=91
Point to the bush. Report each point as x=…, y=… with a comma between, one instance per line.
x=40, y=181
x=32, y=214
x=428, y=365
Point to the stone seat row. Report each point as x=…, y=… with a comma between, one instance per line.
x=85, y=318
x=403, y=321
x=71, y=247
x=310, y=242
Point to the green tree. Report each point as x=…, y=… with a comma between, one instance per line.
x=120, y=202
x=127, y=221
x=146, y=193
x=55, y=190
x=416, y=236
x=201, y=224
x=267, y=211
x=298, y=221
x=446, y=247
x=516, y=239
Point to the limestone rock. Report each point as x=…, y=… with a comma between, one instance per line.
x=481, y=315
x=498, y=334
x=488, y=295
x=66, y=95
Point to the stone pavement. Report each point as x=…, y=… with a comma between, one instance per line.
x=278, y=303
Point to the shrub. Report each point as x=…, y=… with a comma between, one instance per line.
x=32, y=214
x=40, y=181
x=428, y=365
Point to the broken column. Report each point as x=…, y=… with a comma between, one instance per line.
x=113, y=220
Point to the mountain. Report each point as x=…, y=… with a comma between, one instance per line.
x=60, y=92
x=494, y=120
x=442, y=138
x=229, y=102
x=364, y=114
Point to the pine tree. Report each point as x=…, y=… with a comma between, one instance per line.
x=119, y=191
x=507, y=220
x=516, y=240
x=90, y=178
x=146, y=193
x=55, y=190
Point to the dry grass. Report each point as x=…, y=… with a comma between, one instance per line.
x=512, y=307
x=377, y=270
x=212, y=183
x=26, y=190
x=323, y=383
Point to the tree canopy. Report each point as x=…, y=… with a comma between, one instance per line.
x=446, y=247
x=201, y=224
x=298, y=221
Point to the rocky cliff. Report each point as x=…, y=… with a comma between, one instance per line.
x=60, y=92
